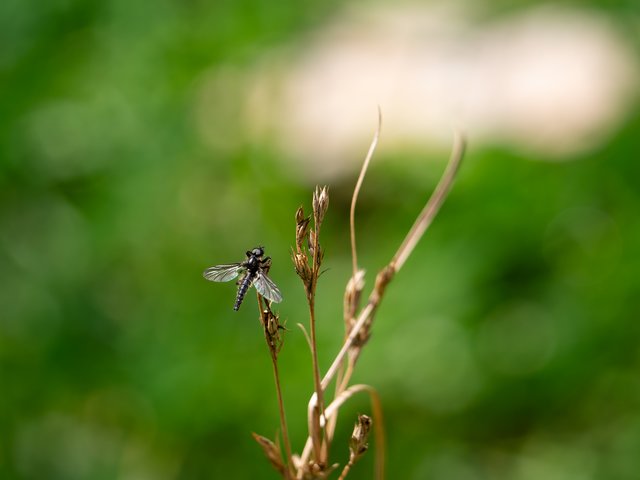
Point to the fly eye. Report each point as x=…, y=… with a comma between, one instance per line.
x=257, y=252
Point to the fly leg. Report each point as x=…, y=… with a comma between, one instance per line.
x=265, y=264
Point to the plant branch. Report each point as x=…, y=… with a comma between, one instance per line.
x=376, y=406
x=318, y=410
x=403, y=252
x=309, y=275
x=365, y=317
x=433, y=205
x=356, y=191
x=270, y=326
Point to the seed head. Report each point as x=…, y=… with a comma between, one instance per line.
x=301, y=264
x=320, y=204
x=272, y=452
x=272, y=330
x=352, y=295
x=312, y=239
x=302, y=229
x=358, y=443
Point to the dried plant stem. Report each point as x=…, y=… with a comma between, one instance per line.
x=273, y=353
x=376, y=406
x=320, y=204
x=318, y=408
x=356, y=191
x=283, y=421
x=385, y=275
x=342, y=382
x=306, y=335
x=346, y=368
x=308, y=242
x=351, y=363
x=433, y=205
x=346, y=469
x=362, y=318
x=417, y=230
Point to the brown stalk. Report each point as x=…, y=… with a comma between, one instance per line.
x=356, y=191
x=360, y=328
x=385, y=275
x=320, y=204
x=376, y=406
x=356, y=283
x=430, y=210
x=358, y=445
x=309, y=276
x=316, y=435
x=271, y=329
x=272, y=452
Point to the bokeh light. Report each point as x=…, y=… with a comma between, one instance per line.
x=140, y=144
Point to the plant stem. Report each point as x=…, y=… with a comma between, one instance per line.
x=345, y=470
x=421, y=224
x=362, y=318
x=356, y=191
x=283, y=419
x=273, y=353
x=319, y=407
x=434, y=203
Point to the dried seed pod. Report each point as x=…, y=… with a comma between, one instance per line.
x=301, y=264
x=302, y=228
x=320, y=204
x=352, y=295
x=272, y=330
x=358, y=443
x=311, y=240
x=272, y=452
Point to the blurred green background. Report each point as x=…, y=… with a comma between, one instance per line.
x=506, y=349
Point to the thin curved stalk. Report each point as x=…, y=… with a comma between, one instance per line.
x=356, y=191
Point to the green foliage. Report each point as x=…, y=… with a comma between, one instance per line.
x=517, y=316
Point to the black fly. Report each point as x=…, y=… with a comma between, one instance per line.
x=254, y=270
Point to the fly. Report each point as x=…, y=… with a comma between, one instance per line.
x=254, y=272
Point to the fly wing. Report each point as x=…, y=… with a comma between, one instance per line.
x=223, y=273
x=267, y=288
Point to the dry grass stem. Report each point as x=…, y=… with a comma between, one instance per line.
x=352, y=295
x=356, y=191
x=433, y=205
x=376, y=407
x=272, y=452
x=405, y=249
x=307, y=256
x=359, y=327
x=356, y=283
x=306, y=335
x=307, y=261
x=358, y=444
x=271, y=327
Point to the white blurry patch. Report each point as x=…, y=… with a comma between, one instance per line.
x=550, y=81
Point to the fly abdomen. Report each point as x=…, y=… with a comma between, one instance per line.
x=242, y=290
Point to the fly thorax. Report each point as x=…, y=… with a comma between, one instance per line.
x=253, y=263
